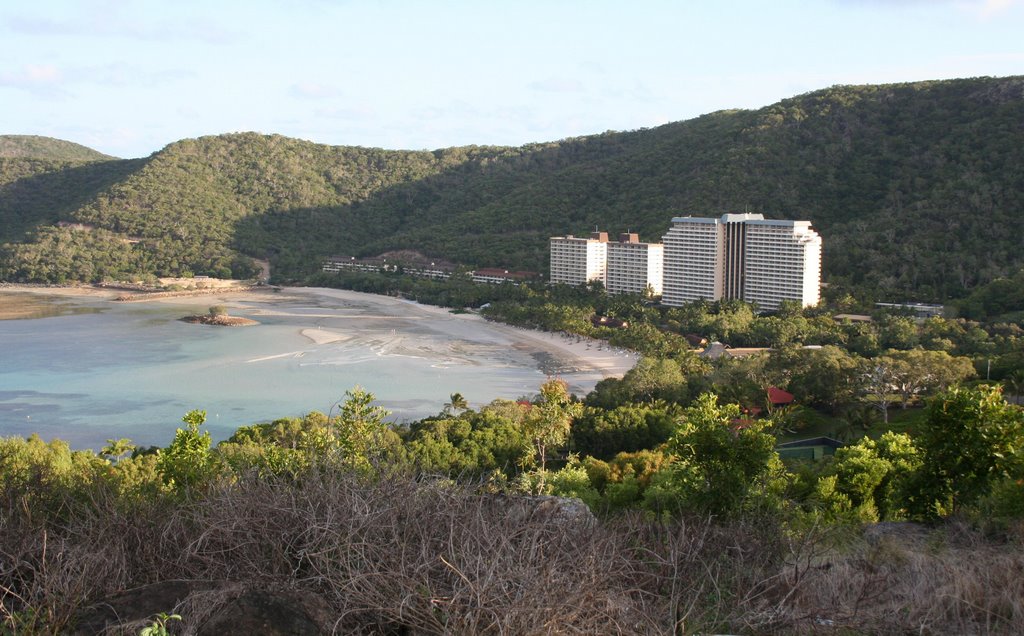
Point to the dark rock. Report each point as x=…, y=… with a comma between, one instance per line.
x=267, y=613
x=209, y=608
x=137, y=604
x=568, y=511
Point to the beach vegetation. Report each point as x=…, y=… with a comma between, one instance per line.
x=695, y=496
x=721, y=464
x=187, y=462
x=970, y=440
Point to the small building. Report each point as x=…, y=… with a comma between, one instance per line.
x=851, y=318
x=497, y=276
x=777, y=397
x=920, y=310
x=337, y=264
x=696, y=340
x=716, y=350
x=605, y=321
x=812, y=448
x=405, y=262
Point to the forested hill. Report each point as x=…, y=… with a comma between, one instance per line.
x=918, y=190
x=36, y=147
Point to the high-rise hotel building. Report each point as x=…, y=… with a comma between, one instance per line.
x=782, y=261
x=741, y=256
x=576, y=260
x=626, y=266
x=633, y=267
x=694, y=261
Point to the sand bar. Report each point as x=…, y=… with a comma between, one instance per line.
x=324, y=336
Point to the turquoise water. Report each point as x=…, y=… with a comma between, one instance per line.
x=132, y=370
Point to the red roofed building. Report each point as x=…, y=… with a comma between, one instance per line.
x=778, y=397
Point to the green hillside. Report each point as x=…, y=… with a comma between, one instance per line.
x=36, y=147
x=917, y=189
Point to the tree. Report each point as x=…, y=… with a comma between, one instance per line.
x=743, y=381
x=456, y=402
x=731, y=318
x=898, y=332
x=825, y=377
x=775, y=331
x=655, y=378
x=358, y=429
x=918, y=371
x=630, y=427
x=879, y=377
x=720, y=467
x=550, y=418
x=115, y=448
x=187, y=463
x=970, y=438
x=870, y=476
x=1014, y=383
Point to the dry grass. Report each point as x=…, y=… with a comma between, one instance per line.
x=954, y=581
x=401, y=556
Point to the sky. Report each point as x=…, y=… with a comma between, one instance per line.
x=128, y=77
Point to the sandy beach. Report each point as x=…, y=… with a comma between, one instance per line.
x=584, y=354
x=569, y=351
x=20, y=302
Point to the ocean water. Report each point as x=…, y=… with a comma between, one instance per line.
x=133, y=369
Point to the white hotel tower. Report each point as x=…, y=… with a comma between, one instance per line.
x=634, y=266
x=626, y=266
x=741, y=256
x=576, y=260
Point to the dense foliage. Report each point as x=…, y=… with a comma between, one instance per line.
x=916, y=188
x=36, y=147
x=1001, y=300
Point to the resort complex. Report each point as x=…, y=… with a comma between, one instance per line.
x=737, y=256
x=734, y=257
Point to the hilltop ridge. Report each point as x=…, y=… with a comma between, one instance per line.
x=38, y=147
x=917, y=189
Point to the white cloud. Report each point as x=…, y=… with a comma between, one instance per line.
x=51, y=80
x=122, y=75
x=44, y=80
x=314, y=90
x=353, y=113
x=981, y=8
x=557, y=85
x=990, y=8
x=113, y=26
x=32, y=75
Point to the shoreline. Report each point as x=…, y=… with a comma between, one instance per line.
x=587, y=355
x=311, y=343
x=593, y=356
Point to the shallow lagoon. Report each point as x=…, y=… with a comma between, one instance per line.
x=107, y=370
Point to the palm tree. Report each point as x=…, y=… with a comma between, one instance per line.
x=456, y=402
x=115, y=448
x=1014, y=383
